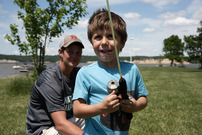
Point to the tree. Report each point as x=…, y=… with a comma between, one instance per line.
x=193, y=46
x=173, y=48
x=41, y=25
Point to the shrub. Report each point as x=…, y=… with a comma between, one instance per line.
x=21, y=85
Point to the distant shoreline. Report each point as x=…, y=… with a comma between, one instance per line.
x=10, y=76
x=9, y=61
x=144, y=61
x=151, y=61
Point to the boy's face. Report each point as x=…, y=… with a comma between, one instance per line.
x=103, y=45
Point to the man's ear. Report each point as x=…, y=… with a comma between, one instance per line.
x=60, y=51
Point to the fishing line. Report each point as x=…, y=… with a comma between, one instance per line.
x=113, y=35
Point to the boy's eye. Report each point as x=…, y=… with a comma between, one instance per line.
x=98, y=37
x=110, y=37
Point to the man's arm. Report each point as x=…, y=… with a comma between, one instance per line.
x=108, y=105
x=63, y=125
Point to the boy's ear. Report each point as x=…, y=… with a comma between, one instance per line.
x=122, y=46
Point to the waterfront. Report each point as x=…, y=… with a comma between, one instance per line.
x=6, y=68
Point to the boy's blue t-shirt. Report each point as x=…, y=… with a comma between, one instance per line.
x=91, y=85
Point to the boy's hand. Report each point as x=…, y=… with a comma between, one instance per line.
x=110, y=103
x=128, y=105
x=133, y=105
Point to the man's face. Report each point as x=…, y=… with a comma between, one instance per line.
x=72, y=55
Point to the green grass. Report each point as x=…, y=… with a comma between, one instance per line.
x=12, y=110
x=175, y=102
x=174, y=107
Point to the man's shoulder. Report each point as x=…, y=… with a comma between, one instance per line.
x=51, y=73
x=76, y=69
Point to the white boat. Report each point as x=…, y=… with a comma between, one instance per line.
x=17, y=67
x=23, y=70
x=26, y=68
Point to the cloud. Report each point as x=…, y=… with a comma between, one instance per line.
x=169, y=15
x=197, y=14
x=83, y=24
x=101, y=3
x=16, y=52
x=160, y=3
x=194, y=6
x=180, y=21
x=132, y=16
x=6, y=41
x=179, y=18
x=148, y=30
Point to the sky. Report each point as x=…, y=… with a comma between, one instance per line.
x=148, y=22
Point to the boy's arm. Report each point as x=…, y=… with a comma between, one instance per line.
x=63, y=125
x=133, y=105
x=108, y=105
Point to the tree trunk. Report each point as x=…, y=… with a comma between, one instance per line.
x=171, y=64
x=41, y=65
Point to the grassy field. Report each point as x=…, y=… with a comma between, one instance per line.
x=174, y=108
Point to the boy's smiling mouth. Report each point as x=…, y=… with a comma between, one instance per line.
x=106, y=51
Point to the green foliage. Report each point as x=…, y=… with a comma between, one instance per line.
x=173, y=48
x=41, y=25
x=193, y=46
x=21, y=85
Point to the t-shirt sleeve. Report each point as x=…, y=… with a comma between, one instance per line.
x=53, y=96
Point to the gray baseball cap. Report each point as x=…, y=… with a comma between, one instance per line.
x=68, y=40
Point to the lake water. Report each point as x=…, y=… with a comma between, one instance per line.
x=6, y=69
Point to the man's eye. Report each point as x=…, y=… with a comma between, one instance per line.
x=70, y=52
x=78, y=53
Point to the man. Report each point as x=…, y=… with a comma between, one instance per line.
x=50, y=107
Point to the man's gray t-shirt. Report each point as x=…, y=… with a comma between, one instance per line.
x=51, y=92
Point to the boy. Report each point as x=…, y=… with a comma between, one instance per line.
x=50, y=106
x=92, y=100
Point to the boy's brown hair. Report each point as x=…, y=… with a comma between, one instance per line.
x=100, y=21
